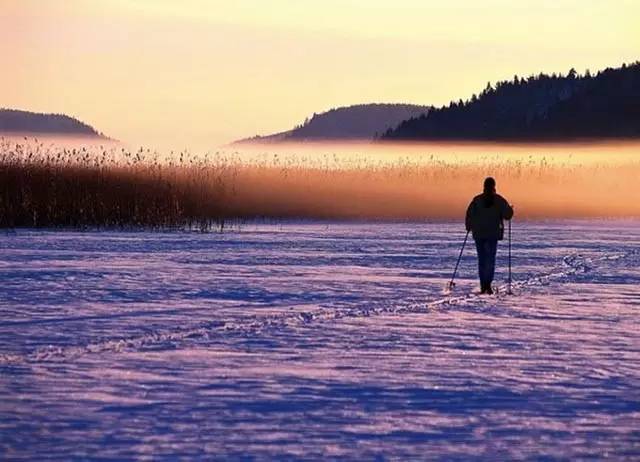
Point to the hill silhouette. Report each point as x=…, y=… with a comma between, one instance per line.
x=542, y=107
x=358, y=122
x=16, y=121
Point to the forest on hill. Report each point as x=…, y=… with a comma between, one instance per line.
x=16, y=121
x=541, y=107
x=358, y=122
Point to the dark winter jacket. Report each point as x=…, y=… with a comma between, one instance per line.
x=485, y=216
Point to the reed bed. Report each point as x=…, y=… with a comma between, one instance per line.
x=51, y=186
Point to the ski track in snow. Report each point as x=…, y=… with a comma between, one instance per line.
x=574, y=264
x=319, y=341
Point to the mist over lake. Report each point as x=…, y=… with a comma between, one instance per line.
x=374, y=181
x=319, y=230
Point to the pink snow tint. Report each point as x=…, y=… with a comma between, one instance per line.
x=316, y=341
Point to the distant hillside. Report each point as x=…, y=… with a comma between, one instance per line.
x=359, y=122
x=542, y=107
x=15, y=121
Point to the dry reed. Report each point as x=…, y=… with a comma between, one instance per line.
x=49, y=186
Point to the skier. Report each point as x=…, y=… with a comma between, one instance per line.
x=484, y=219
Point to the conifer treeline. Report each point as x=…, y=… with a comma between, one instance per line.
x=541, y=107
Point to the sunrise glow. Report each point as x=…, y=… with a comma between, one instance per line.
x=197, y=74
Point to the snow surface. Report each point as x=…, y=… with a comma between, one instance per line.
x=319, y=341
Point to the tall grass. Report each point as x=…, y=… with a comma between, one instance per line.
x=57, y=187
x=49, y=186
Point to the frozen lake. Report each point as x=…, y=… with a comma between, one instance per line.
x=319, y=341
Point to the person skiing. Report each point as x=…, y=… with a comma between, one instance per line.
x=485, y=219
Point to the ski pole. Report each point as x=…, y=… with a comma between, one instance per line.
x=509, y=290
x=451, y=283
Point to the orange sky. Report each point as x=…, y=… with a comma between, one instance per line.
x=198, y=73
